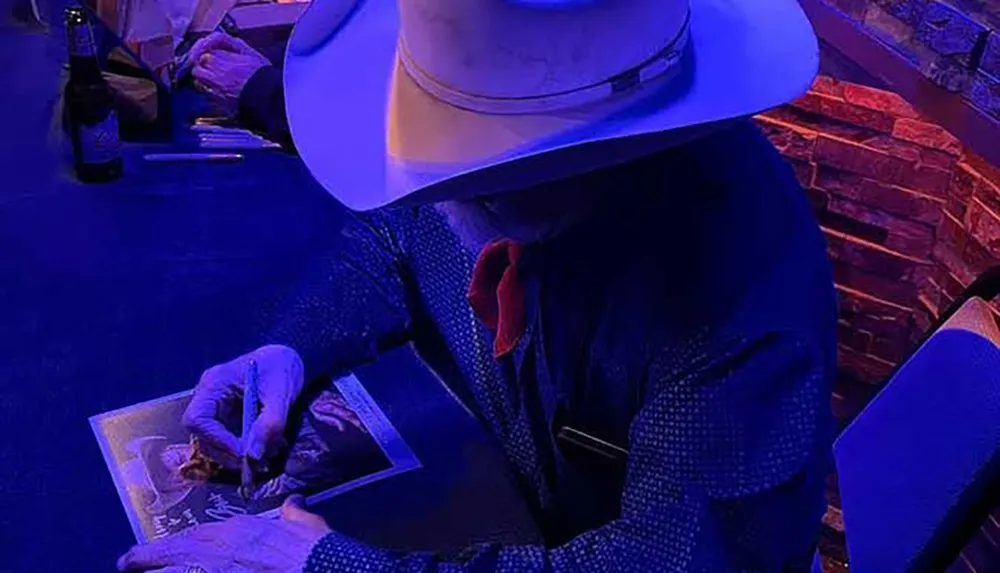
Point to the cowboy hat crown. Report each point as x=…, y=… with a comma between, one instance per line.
x=501, y=55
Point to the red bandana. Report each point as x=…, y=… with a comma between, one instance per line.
x=497, y=295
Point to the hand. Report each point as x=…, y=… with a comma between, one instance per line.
x=218, y=402
x=223, y=65
x=243, y=544
x=333, y=410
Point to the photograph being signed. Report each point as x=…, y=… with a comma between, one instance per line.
x=169, y=482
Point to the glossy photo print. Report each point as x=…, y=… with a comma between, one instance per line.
x=339, y=440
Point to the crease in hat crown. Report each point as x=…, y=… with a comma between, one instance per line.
x=531, y=56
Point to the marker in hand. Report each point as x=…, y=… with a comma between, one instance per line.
x=250, y=396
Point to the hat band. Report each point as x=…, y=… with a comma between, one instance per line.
x=663, y=63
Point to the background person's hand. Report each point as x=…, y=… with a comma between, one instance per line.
x=222, y=65
x=218, y=403
x=241, y=544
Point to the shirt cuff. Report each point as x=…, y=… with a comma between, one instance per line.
x=338, y=553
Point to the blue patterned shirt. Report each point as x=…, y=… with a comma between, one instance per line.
x=691, y=323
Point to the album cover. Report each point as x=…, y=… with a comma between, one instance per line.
x=338, y=437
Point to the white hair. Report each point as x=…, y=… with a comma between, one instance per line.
x=523, y=216
x=471, y=221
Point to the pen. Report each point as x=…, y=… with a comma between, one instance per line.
x=246, y=144
x=228, y=136
x=193, y=157
x=213, y=128
x=250, y=392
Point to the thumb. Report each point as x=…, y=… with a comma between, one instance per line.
x=294, y=510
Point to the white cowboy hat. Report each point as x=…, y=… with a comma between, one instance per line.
x=437, y=99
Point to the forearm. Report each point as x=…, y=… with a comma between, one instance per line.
x=725, y=474
x=769, y=531
x=262, y=106
x=349, y=305
x=336, y=553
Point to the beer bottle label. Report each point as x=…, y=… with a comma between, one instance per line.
x=99, y=143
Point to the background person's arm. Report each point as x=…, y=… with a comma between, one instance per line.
x=262, y=106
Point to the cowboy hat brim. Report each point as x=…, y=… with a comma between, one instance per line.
x=372, y=137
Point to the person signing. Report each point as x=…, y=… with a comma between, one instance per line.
x=580, y=241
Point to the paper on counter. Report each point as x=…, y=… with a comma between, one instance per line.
x=149, y=20
x=209, y=15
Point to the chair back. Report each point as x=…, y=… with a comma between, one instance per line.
x=916, y=466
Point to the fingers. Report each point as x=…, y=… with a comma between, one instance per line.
x=218, y=442
x=212, y=66
x=205, y=80
x=201, y=419
x=266, y=433
x=223, y=74
x=218, y=397
x=335, y=412
x=349, y=415
x=200, y=48
x=169, y=551
x=281, y=382
x=215, y=398
x=219, y=61
x=203, y=544
x=204, y=88
x=214, y=41
x=294, y=510
x=200, y=73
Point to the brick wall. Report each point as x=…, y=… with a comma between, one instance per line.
x=955, y=43
x=910, y=217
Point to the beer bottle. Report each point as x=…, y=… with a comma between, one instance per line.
x=90, y=114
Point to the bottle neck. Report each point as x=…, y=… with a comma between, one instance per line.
x=83, y=64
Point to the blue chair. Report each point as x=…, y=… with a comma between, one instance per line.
x=919, y=468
